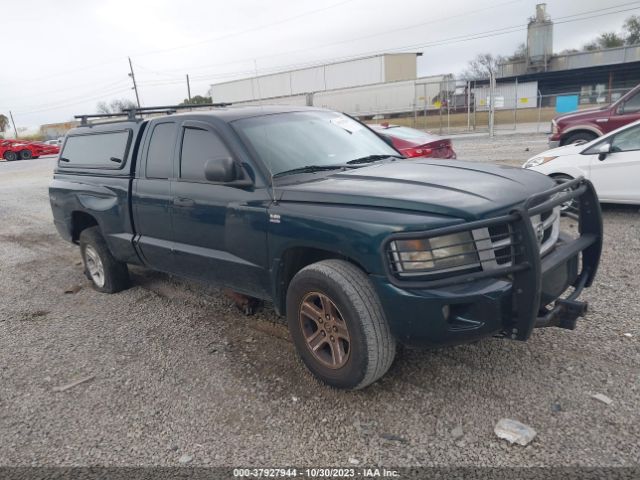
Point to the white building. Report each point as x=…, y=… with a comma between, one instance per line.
x=332, y=76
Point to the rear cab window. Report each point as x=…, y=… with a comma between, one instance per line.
x=105, y=150
x=160, y=152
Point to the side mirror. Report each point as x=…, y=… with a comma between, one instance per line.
x=221, y=170
x=604, y=150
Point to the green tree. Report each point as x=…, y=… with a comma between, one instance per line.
x=196, y=100
x=632, y=30
x=116, y=106
x=605, y=40
x=610, y=40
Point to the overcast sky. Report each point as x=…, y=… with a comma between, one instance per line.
x=62, y=57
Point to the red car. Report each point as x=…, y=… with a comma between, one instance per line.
x=414, y=143
x=585, y=125
x=17, y=149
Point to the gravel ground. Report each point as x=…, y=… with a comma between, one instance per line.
x=505, y=148
x=175, y=370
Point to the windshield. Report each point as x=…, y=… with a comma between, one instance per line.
x=288, y=141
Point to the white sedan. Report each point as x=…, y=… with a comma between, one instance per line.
x=611, y=162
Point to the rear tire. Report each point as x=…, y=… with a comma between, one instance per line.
x=10, y=156
x=579, y=137
x=107, y=275
x=348, y=344
x=25, y=154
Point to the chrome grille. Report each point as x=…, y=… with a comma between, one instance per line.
x=499, y=245
x=491, y=248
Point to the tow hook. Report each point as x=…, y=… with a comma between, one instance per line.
x=564, y=314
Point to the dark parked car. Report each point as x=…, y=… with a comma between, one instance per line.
x=311, y=210
x=586, y=125
x=414, y=143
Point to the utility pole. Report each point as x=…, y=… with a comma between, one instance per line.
x=188, y=89
x=15, y=130
x=135, y=86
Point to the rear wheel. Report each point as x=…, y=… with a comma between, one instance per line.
x=338, y=325
x=105, y=272
x=25, y=154
x=10, y=156
x=579, y=137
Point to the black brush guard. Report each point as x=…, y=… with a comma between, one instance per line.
x=526, y=269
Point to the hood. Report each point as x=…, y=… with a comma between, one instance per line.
x=571, y=149
x=466, y=190
x=586, y=113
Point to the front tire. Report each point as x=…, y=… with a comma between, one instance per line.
x=10, y=156
x=107, y=275
x=25, y=154
x=579, y=137
x=338, y=326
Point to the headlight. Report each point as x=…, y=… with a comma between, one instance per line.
x=437, y=253
x=537, y=161
x=554, y=126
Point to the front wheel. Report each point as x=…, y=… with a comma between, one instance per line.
x=338, y=325
x=106, y=274
x=10, y=156
x=25, y=154
x=579, y=137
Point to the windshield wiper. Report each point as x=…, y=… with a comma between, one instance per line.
x=371, y=158
x=308, y=169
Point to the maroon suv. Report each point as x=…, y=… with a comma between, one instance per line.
x=585, y=125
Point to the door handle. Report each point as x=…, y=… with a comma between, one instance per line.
x=183, y=202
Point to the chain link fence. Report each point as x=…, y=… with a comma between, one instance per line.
x=449, y=108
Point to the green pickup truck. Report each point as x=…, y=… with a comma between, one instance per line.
x=311, y=210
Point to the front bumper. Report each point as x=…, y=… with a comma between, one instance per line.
x=509, y=301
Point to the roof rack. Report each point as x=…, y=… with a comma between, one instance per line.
x=131, y=113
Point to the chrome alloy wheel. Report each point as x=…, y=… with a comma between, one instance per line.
x=94, y=265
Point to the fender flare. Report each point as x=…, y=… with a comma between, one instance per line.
x=590, y=128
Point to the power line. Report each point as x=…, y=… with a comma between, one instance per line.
x=79, y=102
x=100, y=90
x=112, y=60
x=438, y=43
x=339, y=42
x=243, y=32
x=451, y=40
x=443, y=42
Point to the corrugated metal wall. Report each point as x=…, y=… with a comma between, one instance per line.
x=508, y=95
x=610, y=56
x=371, y=100
x=354, y=73
x=295, y=100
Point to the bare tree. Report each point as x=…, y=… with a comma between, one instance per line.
x=519, y=54
x=4, y=123
x=480, y=67
x=116, y=106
